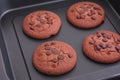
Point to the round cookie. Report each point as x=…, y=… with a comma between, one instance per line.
x=102, y=46
x=54, y=58
x=41, y=24
x=86, y=14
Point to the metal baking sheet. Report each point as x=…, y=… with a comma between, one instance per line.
x=20, y=47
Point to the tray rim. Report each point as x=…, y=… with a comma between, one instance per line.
x=89, y=74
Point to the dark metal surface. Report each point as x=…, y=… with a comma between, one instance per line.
x=3, y=75
x=19, y=47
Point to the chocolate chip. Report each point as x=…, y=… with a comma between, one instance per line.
x=93, y=18
x=99, y=13
x=31, y=28
x=118, y=39
x=49, y=21
x=117, y=47
x=88, y=7
x=90, y=4
x=89, y=14
x=39, y=15
x=48, y=53
x=92, y=11
x=43, y=21
x=103, y=46
x=72, y=10
x=104, y=35
x=53, y=65
x=53, y=43
x=91, y=42
x=98, y=35
x=54, y=60
x=96, y=8
x=109, y=45
x=60, y=57
x=97, y=46
x=109, y=36
x=104, y=40
x=47, y=47
x=81, y=17
x=85, y=4
x=31, y=23
x=55, y=51
x=47, y=17
x=38, y=18
x=70, y=55
x=38, y=25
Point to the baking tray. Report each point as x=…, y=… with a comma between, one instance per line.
x=19, y=48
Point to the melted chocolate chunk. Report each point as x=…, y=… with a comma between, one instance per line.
x=104, y=35
x=53, y=43
x=43, y=21
x=81, y=17
x=117, y=48
x=92, y=11
x=38, y=18
x=60, y=57
x=72, y=10
x=48, y=53
x=104, y=40
x=31, y=23
x=91, y=5
x=91, y=42
x=38, y=25
x=49, y=21
x=54, y=60
x=96, y=8
x=53, y=65
x=97, y=46
x=103, y=46
x=98, y=35
x=47, y=47
x=31, y=28
x=93, y=18
x=109, y=36
x=88, y=7
x=118, y=39
x=55, y=51
x=47, y=17
x=70, y=55
x=89, y=14
x=99, y=13
x=109, y=45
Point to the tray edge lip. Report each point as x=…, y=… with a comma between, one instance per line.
x=28, y=6
x=44, y=3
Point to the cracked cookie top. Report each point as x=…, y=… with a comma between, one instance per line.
x=41, y=24
x=54, y=58
x=102, y=46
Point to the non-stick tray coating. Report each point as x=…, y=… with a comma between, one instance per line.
x=18, y=44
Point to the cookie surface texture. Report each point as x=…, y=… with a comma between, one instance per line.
x=102, y=46
x=54, y=58
x=86, y=14
x=41, y=24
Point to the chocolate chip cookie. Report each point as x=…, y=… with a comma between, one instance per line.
x=86, y=14
x=54, y=58
x=41, y=24
x=102, y=46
